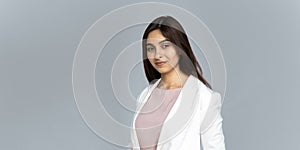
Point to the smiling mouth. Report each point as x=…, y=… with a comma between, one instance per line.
x=160, y=63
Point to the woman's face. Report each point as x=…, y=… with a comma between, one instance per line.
x=161, y=52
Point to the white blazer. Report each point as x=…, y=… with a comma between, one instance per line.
x=194, y=118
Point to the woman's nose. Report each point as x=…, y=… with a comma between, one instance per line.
x=158, y=53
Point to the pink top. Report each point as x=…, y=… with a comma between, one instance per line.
x=154, y=112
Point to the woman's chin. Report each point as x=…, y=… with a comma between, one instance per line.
x=163, y=70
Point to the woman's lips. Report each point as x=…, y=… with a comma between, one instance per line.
x=160, y=63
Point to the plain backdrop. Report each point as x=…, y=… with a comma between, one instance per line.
x=38, y=39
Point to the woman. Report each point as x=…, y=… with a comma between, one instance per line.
x=178, y=110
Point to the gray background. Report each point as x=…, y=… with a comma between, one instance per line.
x=38, y=40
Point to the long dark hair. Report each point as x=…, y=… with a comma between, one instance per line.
x=174, y=32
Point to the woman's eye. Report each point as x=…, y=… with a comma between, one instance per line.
x=150, y=48
x=165, y=46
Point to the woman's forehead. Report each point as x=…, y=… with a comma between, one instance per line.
x=155, y=34
x=156, y=40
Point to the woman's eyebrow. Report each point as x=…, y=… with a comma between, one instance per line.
x=149, y=44
x=164, y=40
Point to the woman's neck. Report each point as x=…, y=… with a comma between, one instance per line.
x=171, y=80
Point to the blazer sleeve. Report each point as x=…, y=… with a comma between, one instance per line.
x=212, y=137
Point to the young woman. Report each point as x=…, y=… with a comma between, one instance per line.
x=178, y=110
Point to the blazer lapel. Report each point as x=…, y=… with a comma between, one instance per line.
x=179, y=114
x=144, y=98
x=182, y=111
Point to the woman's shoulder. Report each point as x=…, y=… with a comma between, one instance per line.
x=201, y=86
x=144, y=92
x=206, y=91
